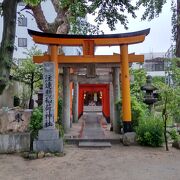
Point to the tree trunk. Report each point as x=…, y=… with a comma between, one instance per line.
x=178, y=30
x=31, y=103
x=165, y=118
x=9, y=8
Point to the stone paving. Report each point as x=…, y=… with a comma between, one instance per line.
x=91, y=126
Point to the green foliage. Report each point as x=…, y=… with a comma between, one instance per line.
x=139, y=76
x=171, y=92
x=1, y=10
x=170, y=95
x=153, y=8
x=175, y=103
x=150, y=132
x=60, y=111
x=112, y=12
x=174, y=20
x=29, y=72
x=81, y=26
x=175, y=71
x=61, y=130
x=33, y=2
x=36, y=122
x=174, y=135
x=59, y=124
x=157, y=79
x=37, y=119
x=109, y=11
x=139, y=109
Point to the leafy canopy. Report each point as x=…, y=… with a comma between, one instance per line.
x=109, y=11
x=28, y=72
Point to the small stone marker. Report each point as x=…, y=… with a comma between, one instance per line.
x=48, y=137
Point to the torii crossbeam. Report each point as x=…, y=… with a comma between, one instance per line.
x=88, y=42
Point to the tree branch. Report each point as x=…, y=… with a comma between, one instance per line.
x=60, y=24
x=56, y=5
x=40, y=18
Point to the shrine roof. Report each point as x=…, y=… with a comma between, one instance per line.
x=101, y=40
x=121, y=35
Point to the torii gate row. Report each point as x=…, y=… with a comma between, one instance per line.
x=88, y=42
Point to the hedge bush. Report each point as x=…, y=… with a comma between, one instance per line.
x=36, y=121
x=139, y=109
x=60, y=111
x=174, y=135
x=150, y=132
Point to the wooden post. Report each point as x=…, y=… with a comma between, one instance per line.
x=54, y=58
x=125, y=85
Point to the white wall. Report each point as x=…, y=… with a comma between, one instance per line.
x=21, y=31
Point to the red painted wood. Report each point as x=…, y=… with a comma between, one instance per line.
x=95, y=87
x=81, y=102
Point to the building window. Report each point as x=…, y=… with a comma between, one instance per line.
x=154, y=65
x=22, y=21
x=22, y=42
x=159, y=67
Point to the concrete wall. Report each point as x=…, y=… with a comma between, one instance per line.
x=14, y=142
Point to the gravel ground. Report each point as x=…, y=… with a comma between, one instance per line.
x=116, y=163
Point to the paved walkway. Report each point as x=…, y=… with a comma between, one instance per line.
x=92, y=126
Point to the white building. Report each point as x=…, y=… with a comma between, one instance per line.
x=154, y=64
x=25, y=20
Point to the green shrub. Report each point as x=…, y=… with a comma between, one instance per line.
x=150, y=132
x=61, y=130
x=59, y=125
x=139, y=109
x=60, y=111
x=174, y=135
x=36, y=122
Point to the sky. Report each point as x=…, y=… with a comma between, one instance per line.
x=159, y=39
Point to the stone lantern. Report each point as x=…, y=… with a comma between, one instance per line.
x=149, y=89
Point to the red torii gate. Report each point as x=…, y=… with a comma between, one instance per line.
x=88, y=42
